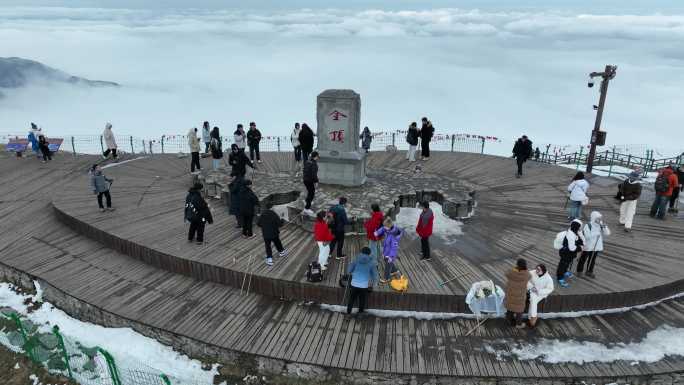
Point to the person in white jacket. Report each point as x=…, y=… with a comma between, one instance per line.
x=294, y=138
x=594, y=231
x=206, y=136
x=110, y=142
x=239, y=137
x=539, y=287
x=578, y=196
x=194, y=144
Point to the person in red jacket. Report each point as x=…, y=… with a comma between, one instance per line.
x=323, y=237
x=371, y=225
x=664, y=185
x=424, y=229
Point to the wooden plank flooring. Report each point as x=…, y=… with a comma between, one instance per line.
x=34, y=241
x=514, y=217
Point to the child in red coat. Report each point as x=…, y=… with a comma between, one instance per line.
x=323, y=237
x=424, y=229
x=371, y=225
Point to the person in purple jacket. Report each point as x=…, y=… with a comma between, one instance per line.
x=390, y=246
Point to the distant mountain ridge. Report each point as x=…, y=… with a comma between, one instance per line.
x=17, y=72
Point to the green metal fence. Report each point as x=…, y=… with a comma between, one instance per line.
x=65, y=356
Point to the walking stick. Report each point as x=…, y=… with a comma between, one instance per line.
x=479, y=323
x=451, y=279
x=244, y=278
x=346, y=287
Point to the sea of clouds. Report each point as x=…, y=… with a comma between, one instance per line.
x=495, y=71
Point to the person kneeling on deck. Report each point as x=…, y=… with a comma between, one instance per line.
x=270, y=224
x=197, y=213
x=363, y=276
x=539, y=287
x=516, y=293
x=101, y=184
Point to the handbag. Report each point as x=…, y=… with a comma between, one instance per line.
x=345, y=279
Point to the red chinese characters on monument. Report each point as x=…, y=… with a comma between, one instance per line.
x=336, y=115
x=337, y=135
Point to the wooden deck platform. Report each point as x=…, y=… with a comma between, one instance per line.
x=32, y=240
x=514, y=217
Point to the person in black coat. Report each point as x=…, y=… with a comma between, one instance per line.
x=239, y=161
x=253, y=139
x=235, y=186
x=306, y=140
x=248, y=201
x=44, y=147
x=310, y=176
x=197, y=213
x=426, y=133
x=521, y=152
x=216, y=148
x=338, y=226
x=412, y=136
x=270, y=224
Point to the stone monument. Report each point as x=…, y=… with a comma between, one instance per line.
x=339, y=119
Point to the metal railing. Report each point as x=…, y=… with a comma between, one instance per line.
x=613, y=158
x=65, y=356
x=171, y=144
x=629, y=156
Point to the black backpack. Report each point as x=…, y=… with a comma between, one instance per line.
x=314, y=273
x=661, y=183
x=192, y=210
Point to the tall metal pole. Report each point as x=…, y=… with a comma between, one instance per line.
x=608, y=74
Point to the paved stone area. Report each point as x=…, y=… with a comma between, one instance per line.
x=390, y=188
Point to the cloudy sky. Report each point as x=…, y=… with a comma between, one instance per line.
x=486, y=67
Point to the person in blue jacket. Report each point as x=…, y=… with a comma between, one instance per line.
x=364, y=274
x=33, y=139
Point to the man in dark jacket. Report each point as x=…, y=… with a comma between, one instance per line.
x=306, y=140
x=197, y=213
x=340, y=221
x=248, y=200
x=239, y=161
x=630, y=191
x=270, y=224
x=522, y=150
x=310, y=175
x=253, y=139
x=235, y=186
x=426, y=133
x=678, y=188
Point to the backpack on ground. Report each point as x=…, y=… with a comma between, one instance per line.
x=314, y=273
x=661, y=183
x=400, y=283
x=559, y=240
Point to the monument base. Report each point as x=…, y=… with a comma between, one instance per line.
x=345, y=169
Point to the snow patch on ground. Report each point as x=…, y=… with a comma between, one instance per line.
x=282, y=211
x=443, y=227
x=421, y=315
x=617, y=172
x=122, y=162
x=659, y=343
x=128, y=347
